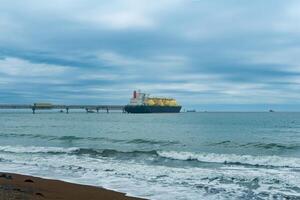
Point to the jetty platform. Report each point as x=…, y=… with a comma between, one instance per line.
x=42, y=106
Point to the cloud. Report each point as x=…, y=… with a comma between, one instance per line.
x=158, y=61
x=18, y=67
x=116, y=15
x=201, y=52
x=131, y=14
x=289, y=17
x=117, y=20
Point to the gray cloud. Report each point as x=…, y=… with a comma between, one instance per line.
x=204, y=53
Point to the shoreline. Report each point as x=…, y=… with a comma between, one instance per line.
x=18, y=186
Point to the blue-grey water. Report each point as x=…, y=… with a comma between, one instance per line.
x=160, y=156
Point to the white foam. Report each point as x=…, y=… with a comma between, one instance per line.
x=153, y=181
x=276, y=161
x=36, y=149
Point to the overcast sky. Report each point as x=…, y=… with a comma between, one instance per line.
x=210, y=55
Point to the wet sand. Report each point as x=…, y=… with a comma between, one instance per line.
x=21, y=187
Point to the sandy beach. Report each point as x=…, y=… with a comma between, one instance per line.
x=15, y=186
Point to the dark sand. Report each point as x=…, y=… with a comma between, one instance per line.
x=14, y=186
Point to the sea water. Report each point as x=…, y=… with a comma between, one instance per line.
x=159, y=156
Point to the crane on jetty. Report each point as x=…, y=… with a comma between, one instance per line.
x=48, y=106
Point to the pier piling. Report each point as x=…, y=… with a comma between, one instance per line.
x=61, y=108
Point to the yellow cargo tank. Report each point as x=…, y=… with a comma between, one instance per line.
x=160, y=102
x=154, y=101
x=166, y=102
x=150, y=102
x=173, y=102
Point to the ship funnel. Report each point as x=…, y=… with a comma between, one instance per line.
x=134, y=94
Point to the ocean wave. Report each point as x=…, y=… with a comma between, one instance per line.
x=73, y=150
x=272, y=145
x=63, y=138
x=221, y=143
x=106, y=139
x=262, y=145
x=231, y=182
x=14, y=135
x=71, y=138
x=115, y=153
x=272, y=161
x=36, y=149
x=144, y=141
x=234, y=159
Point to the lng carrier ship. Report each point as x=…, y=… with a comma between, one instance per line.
x=143, y=103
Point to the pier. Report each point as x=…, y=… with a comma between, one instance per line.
x=66, y=108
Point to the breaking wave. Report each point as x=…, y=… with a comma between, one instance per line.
x=275, y=161
x=35, y=149
x=234, y=159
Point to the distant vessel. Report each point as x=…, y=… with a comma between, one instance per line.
x=191, y=110
x=143, y=103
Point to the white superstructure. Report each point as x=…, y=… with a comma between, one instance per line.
x=138, y=98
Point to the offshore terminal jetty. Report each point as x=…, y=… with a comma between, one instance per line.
x=139, y=103
x=67, y=108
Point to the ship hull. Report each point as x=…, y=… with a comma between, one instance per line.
x=152, y=109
